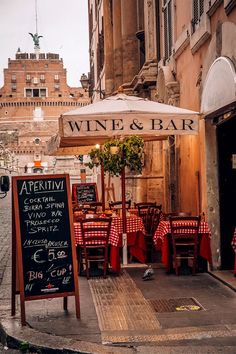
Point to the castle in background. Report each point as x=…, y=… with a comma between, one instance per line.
x=35, y=93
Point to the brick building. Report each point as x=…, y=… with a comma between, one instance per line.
x=35, y=93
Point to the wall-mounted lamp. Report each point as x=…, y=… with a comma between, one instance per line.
x=86, y=85
x=84, y=81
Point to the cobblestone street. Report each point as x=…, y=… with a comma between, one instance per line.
x=5, y=260
x=5, y=234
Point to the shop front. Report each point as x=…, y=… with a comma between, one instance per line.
x=219, y=111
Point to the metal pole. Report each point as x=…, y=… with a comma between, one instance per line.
x=103, y=186
x=124, y=220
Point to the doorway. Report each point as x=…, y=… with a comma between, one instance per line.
x=226, y=139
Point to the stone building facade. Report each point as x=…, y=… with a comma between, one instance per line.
x=180, y=53
x=35, y=93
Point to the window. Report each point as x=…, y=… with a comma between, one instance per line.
x=198, y=9
x=56, y=78
x=42, y=78
x=168, y=38
x=28, y=93
x=35, y=92
x=28, y=78
x=158, y=31
x=13, y=87
x=100, y=51
x=37, y=141
x=57, y=87
x=42, y=92
x=35, y=80
x=13, y=78
x=201, y=25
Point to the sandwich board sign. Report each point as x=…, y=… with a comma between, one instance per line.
x=44, y=256
x=84, y=193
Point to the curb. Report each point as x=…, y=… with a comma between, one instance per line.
x=219, y=278
x=13, y=335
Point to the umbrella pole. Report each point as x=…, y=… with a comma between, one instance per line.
x=124, y=220
x=103, y=186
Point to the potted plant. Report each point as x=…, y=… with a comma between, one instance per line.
x=95, y=157
x=128, y=153
x=133, y=151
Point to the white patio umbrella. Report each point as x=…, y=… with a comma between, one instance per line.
x=121, y=116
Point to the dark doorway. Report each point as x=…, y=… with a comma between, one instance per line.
x=226, y=135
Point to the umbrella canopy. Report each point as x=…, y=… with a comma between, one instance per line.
x=120, y=116
x=123, y=115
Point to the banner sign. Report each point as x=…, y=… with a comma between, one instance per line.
x=129, y=124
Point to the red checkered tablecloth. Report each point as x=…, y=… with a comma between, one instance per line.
x=134, y=224
x=164, y=228
x=160, y=240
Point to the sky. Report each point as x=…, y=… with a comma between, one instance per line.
x=63, y=25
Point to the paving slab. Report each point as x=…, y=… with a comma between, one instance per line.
x=50, y=329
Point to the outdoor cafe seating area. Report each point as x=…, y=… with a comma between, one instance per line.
x=151, y=235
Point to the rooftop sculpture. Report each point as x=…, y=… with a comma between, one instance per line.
x=35, y=39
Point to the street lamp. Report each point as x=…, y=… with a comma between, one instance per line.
x=84, y=81
x=86, y=85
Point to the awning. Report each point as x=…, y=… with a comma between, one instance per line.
x=120, y=116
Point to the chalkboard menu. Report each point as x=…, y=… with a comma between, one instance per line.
x=84, y=193
x=46, y=249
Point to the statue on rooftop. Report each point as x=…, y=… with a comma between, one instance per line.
x=35, y=39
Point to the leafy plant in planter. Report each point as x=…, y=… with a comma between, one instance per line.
x=128, y=153
x=95, y=157
x=133, y=152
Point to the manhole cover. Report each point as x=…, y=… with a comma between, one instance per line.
x=176, y=305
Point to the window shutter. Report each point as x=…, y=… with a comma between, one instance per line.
x=201, y=7
x=167, y=28
x=198, y=9
x=169, y=14
x=165, y=35
x=195, y=11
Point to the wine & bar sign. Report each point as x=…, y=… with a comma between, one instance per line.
x=44, y=256
x=145, y=125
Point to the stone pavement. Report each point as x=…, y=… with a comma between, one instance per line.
x=210, y=328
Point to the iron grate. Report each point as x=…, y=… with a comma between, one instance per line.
x=176, y=304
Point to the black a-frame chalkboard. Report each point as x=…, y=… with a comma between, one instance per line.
x=43, y=239
x=84, y=193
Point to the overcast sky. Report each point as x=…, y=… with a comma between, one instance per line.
x=63, y=25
